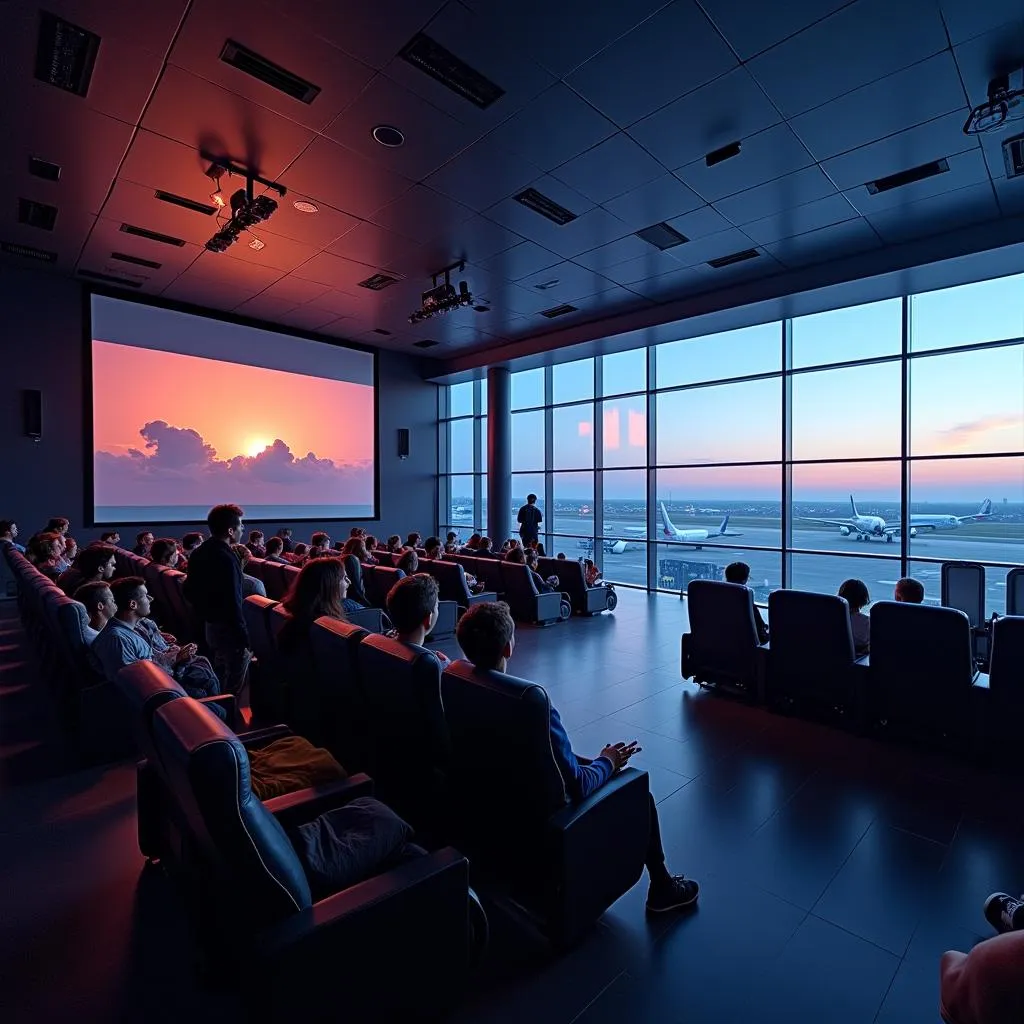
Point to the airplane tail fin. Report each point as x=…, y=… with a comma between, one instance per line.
x=986, y=508
x=853, y=507
x=723, y=527
x=668, y=529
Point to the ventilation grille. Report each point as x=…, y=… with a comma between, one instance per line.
x=902, y=178
x=65, y=54
x=378, y=282
x=736, y=257
x=138, y=261
x=381, y=331
x=540, y=203
x=1013, y=156
x=43, y=169
x=37, y=215
x=153, y=236
x=717, y=156
x=95, y=275
x=426, y=343
x=185, y=202
x=559, y=311
x=249, y=62
x=662, y=236
x=443, y=66
x=28, y=252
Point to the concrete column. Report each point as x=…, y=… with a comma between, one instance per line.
x=499, y=452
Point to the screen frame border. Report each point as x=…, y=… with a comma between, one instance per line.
x=89, y=491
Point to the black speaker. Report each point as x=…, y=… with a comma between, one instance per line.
x=32, y=413
x=403, y=442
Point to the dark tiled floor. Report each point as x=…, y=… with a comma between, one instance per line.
x=834, y=870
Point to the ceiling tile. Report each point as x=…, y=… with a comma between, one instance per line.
x=653, y=263
x=265, y=307
x=620, y=251
x=532, y=225
x=930, y=141
x=339, y=303
x=966, y=19
x=705, y=221
x=751, y=28
x=377, y=247
x=970, y=205
x=66, y=240
x=554, y=127
x=162, y=163
x=474, y=240
x=661, y=199
x=106, y=238
x=711, y=247
x=769, y=154
x=610, y=169
x=208, y=294
x=670, y=54
x=594, y=228
x=964, y=169
x=520, y=261
x=729, y=109
x=862, y=42
x=833, y=242
x=136, y=205
x=799, y=219
x=910, y=97
x=567, y=281
x=981, y=59
x=668, y=286
x=1011, y=196
x=343, y=179
x=782, y=194
x=294, y=290
x=308, y=318
x=422, y=214
x=482, y=175
x=277, y=253
x=334, y=271
x=432, y=137
x=313, y=229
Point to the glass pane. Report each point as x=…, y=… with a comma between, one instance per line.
x=574, y=548
x=572, y=382
x=843, y=335
x=460, y=399
x=739, y=353
x=677, y=566
x=624, y=372
x=483, y=444
x=823, y=574
x=527, y=441
x=930, y=574
x=522, y=485
x=968, y=315
x=528, y=388
x=625, y=431
x=725, y=423
x=852, y=413
x=483, y=395
x=460, y=446
x=481, y=520
x=838, y=505
x=717, y=506
x=625, y=503
x=968, y=402
x=968, y=509
x=460, y=505
x=572, y=438
x=622, y=560
x=572, y=503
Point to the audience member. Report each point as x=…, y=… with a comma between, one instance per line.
x=111, y=537
x=739, y=572
x=70, y=550
x=432, y=547
x=451, y=543
x=413, y=540
x=164, y=551
x=190, y=543
x=352, y=556
x=357, y=531
x=370, y=543
x=483, y=549
x=319, y=590
x=409, y=563
x=44, y=552
x=529, y=519
x=486, y=634
x=286, y=539
x=394, y=544
x=517, y=556
x=256, y=544
x=58, y=524
x=143, y=542
x=472, y=545
x=909, y=591
x=856, y=595
x=251, y=586
x=298, y=553
x=591, y=573
x=94, y=563
x=533, y=564
x=412, y=608
x=319, y=545
x=560, y=556
x=274, y=548
x=214, y=589
x=99, y=606
x=9, y=534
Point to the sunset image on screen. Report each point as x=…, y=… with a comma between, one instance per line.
x=174, y=434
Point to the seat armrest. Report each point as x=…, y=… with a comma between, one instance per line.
x=255, y=739
x=552, y=601
x=230, y=705
x=627, y=786
x=294, y=809
x=482, y=597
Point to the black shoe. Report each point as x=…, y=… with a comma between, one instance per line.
x=1004, y=913
x=675, y=894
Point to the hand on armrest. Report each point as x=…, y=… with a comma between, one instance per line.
x=294, y=809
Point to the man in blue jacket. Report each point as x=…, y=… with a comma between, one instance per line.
x=486, y=634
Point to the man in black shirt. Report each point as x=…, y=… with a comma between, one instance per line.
x=529, y=520
x=739, y=572
x=214, y=589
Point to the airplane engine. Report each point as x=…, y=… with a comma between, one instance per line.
x=844, y=530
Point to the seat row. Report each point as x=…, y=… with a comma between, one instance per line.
x=921, y=678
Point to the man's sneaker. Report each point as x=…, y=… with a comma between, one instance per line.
x=1004, y=913
x=678, y=892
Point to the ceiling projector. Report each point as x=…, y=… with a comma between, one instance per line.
x=1005, y=104
x=442, y=298
x=247, y=210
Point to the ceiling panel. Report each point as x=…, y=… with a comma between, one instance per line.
x=751, y=28
x=614, y=253
x=662, y=199
x=769, y=154
x=610, y=169
x=316, y=230
x=66, y=240
x=729, y=109
x=474, y=240
x=482, y=175
x=165, y=164
x=666, y=287
x=997, y=52
x=334, y=271
x=567, y=281
x=137, y=205
x=864, y=41
x=107, y=238
x=652, y=263
x=278, y=253
x=672, y=53
x=712, y=247
x=309, y=318
x=797, y=220
x=705, y=221
x=369, y=243
x=966, y=19
x=781, y=194
x=833, y=242
x=520, y=261
x=422, y=214
x=294, y=290
x=970, y=205
x=265, y=307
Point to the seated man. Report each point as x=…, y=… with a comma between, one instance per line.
x=432, y=547
x=412, y=608
x=274, y=548
x=739, y=572
x=483, y=549
x=472, y=545
x=286, y=539
x=517, y=556
x=111, y=537
x=451, y=543
x=409, y=563
x=164, y=551
x=251, y=586
x=96, y=563
x=909, y=591
x=486, y=634
x=319, y=545
x=189, y=544
x=413, y=540
x=143, y=542
x=256, y=545
x=99, y=605
x=45, y=551
x=9, y=533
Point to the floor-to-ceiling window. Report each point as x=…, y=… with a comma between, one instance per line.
x=462, y=491
x=870, y=441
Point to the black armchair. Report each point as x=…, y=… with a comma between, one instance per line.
x=451, y=582
x=526, y=603
x=585, y=600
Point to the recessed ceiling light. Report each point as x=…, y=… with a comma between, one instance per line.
x=305, y=206
x=388, y=136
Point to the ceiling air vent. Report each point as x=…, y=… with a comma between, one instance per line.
x=95, y=275
x=138, y=261
x=43, y=169
x=540, y=203
x=559, y=311
x=735, y=257
x=902, y=178
x=381, y=331
x=443, y=66
x=662, y=236
x=37, y=215
x=185, y=203
x=426, y=343
x=65, y=54
x=153, y=236
x=717, y=156
x=378, y=282
x=28, y=252
x=251, y=63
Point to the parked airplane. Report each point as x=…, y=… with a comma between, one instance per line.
x=865, y=527
x=694, y=536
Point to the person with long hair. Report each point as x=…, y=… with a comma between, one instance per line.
x=353, y=554
x=318, y=590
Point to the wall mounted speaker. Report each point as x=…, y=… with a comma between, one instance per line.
x=32, y=413
x=403, y=442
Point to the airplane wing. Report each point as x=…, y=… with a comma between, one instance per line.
x=848, y=523
x=985, y=512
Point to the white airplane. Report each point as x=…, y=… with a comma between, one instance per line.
x=865, y=527
x=670, y=532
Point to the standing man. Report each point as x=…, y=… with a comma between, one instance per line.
x=529, y=520
x=214, y=589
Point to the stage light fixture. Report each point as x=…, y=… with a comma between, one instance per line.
x=442, y=298
x=247, y=210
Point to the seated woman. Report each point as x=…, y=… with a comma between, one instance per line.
x=353, y=555
x=394, y=544
x=371, y=545
x=298, y=553
x=251, y=586
x=591, y=573
x=855, y=593
x=409, y=563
